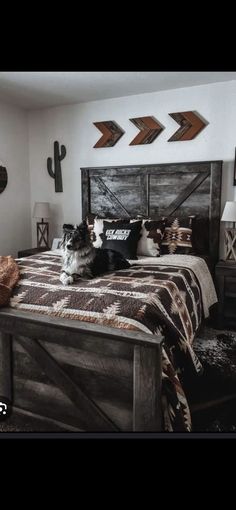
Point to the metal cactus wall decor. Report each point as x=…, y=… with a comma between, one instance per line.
x=3, y=178
x=56, y=174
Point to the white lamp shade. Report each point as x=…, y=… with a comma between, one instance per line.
x=229, y=213
x=41, y=210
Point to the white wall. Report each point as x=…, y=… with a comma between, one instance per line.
x=15, y=221
x=73, y=126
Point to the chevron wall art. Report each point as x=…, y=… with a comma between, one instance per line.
x=111, y=133
x=190, y=125
x=149, y=130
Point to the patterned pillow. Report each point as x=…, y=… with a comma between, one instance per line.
x=178, y=236
x=152, y=234
x=122, y=237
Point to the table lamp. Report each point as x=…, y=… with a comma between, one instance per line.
x=229, y=214
x=41, y=210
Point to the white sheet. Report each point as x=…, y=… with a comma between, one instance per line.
x=196, y=264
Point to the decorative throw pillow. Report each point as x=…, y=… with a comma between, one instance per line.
x=97, y=229
x=152, y=234
x=178, y=236
x=122, y=237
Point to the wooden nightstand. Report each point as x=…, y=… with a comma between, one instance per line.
x=31, y=251
x=225, y=274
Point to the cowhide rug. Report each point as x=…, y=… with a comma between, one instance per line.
x=213, y=395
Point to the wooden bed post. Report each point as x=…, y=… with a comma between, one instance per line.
x=6, y=366
x=147, y=389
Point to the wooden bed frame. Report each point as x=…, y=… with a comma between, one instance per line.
x=77, y=376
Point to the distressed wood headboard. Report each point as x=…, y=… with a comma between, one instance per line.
x=157, y=190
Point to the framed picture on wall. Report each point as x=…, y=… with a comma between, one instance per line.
x=235, y=168
x=56, y=244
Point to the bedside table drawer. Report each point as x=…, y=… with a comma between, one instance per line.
x=230, y=286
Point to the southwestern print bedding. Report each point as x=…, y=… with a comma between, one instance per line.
x=149, y=296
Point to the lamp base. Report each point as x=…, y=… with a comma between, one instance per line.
x=43, y=235
x=230, y=244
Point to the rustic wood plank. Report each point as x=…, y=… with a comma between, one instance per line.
x=92, y=415
x=85, y=188
x=165, y=167
x=6, y=366
x=144, y=185
x=94, y=376
x=114, y=367
x=42, y=326
x=49, y=401
x=25, y=367
x=179, y=169
x=105, y=191
x=185, y=193
x=114, y=171
x=105, y=206
x=100, y=386
x=214, y=211
x=168, y=185
x=49, y=424
x=90, y=345
x=147, y=389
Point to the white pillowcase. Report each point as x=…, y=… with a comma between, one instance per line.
x=145, y=245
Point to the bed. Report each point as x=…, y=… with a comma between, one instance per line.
x=112, y=372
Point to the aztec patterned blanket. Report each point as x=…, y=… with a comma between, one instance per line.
x=149, y=298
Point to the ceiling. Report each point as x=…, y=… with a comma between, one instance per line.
x=33, y=90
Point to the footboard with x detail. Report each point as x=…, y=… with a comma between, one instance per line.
x=80, y=376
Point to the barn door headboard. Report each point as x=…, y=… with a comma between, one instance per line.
x=157, y=190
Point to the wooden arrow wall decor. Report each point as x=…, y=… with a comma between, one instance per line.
x=149, y=130
x=111, y=133
x=190, y=125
